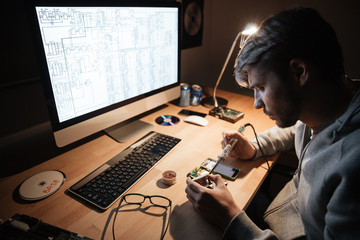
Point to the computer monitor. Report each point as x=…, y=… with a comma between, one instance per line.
x=104, y=62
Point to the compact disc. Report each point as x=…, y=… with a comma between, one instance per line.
x=167, y=120
x=41, y=185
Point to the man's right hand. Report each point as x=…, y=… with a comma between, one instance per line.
x=243, y=149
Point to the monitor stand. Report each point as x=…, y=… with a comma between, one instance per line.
x=122, y=132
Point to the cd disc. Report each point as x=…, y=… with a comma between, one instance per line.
x=166, y=120
x=41, y=185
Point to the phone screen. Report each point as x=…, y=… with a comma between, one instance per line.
x=227, y=171
x=189, y=112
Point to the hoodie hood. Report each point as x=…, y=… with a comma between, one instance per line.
x=350, y=120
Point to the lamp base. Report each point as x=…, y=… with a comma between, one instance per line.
x=209, y=101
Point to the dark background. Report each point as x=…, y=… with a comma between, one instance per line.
x=25, y=133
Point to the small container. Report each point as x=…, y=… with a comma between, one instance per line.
x=196, y=95
x=169, y=177
x=184, y=95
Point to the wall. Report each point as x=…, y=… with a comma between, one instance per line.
x=225, y=18
x=25, y=131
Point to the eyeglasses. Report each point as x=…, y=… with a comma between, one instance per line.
x=157, y=200
x=137, y=198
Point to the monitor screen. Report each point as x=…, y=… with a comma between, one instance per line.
x=121, y=58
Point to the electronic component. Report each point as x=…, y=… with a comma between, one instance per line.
x=226, y=114
x=224, y=170
x=198, y=172
x=210, y=165
x=25, y=227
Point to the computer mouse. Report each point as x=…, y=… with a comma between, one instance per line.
x=196, y=120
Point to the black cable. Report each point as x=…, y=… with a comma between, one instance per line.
x=258, y=142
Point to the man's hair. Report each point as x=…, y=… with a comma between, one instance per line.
x=296, y=33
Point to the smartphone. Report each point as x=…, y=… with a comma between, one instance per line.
x=189, y=112
x=223, y=169
x=227, y=171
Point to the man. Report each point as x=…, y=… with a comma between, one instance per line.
x=294, y=65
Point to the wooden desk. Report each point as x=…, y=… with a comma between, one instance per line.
x=63, y=210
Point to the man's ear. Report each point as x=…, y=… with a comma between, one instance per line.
x=299, y=70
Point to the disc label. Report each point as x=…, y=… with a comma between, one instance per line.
x=41, y=185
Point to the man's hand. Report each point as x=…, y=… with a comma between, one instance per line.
x=215, y=205
x=243, y=149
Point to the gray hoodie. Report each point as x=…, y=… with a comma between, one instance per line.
x=322, y=201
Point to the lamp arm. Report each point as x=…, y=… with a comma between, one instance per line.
x=224, y=67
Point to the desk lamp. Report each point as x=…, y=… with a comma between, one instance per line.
x=243, y=35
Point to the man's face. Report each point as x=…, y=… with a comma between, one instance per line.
x=279, y=99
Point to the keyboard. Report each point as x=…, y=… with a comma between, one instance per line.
x=106, y=184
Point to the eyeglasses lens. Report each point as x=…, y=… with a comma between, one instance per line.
x=134, y=198
x=160, y=201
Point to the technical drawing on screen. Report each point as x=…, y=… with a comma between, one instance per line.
x=98, y=60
